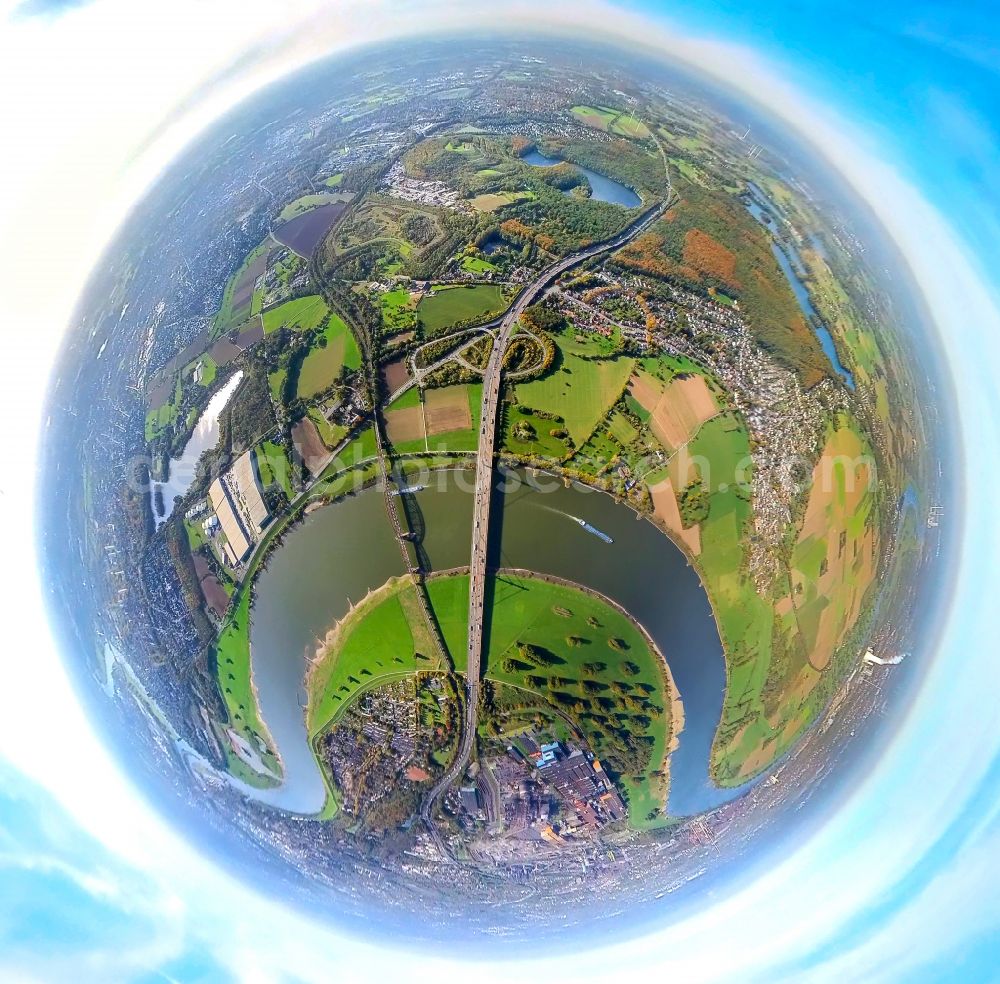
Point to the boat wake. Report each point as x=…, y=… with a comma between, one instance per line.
x=600, y=534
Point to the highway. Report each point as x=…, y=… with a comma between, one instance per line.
x=483, y=494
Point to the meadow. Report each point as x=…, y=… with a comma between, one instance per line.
x=581, y=391
x=299, y=314
x=446, y=307
x=335, y=350
x=574, y=652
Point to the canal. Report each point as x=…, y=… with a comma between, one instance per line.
x=344, y=550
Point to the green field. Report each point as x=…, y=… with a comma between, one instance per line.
x=233, y=669
x=272, y=463
x=299, y=314
x=491, y=201
x=384, y=637
x=580, y=390
x=161, y=418
x=589, y=662
x=195, y=534
x=629, y=126
x=467, y=439
x=622, y=429
x=331, y=434
x=542, y=444
x=276, y=382
x=397, y=310
x=411, y=398
x=361, y=449
x=227, y=317
x=336, y=350
x=308, y=202
x=597, y=116
x=209, y=369
x=477, y=265
x=446, y=307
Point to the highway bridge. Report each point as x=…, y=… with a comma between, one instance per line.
x=484, y=488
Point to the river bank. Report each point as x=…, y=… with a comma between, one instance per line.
x=308, y=587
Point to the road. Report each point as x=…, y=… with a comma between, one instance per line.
x=483, y=494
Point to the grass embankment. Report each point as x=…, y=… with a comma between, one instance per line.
x=384, y=637
x=232, y=651
x=350, y=471
x=571, y=652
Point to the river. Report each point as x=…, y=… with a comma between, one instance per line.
x=180, y=471
x=603, y=188
x=342, y=551
x=794, y=270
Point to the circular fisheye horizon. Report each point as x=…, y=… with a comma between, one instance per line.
x=511, y=489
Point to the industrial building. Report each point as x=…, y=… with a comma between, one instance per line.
x=238, y=501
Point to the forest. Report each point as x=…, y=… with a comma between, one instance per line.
x=708, y=240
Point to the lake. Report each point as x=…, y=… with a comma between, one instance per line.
x=603, y=189
x=180, y=471
x=794, y=270
x=812, y=317
x=344, y=550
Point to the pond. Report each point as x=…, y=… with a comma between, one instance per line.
x=493, y=242
x=342, y=551
x=603, y=189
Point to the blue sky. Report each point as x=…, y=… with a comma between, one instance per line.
x=903, y=97
x=923, y=77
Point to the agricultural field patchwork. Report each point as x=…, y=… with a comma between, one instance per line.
x=834, y=559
